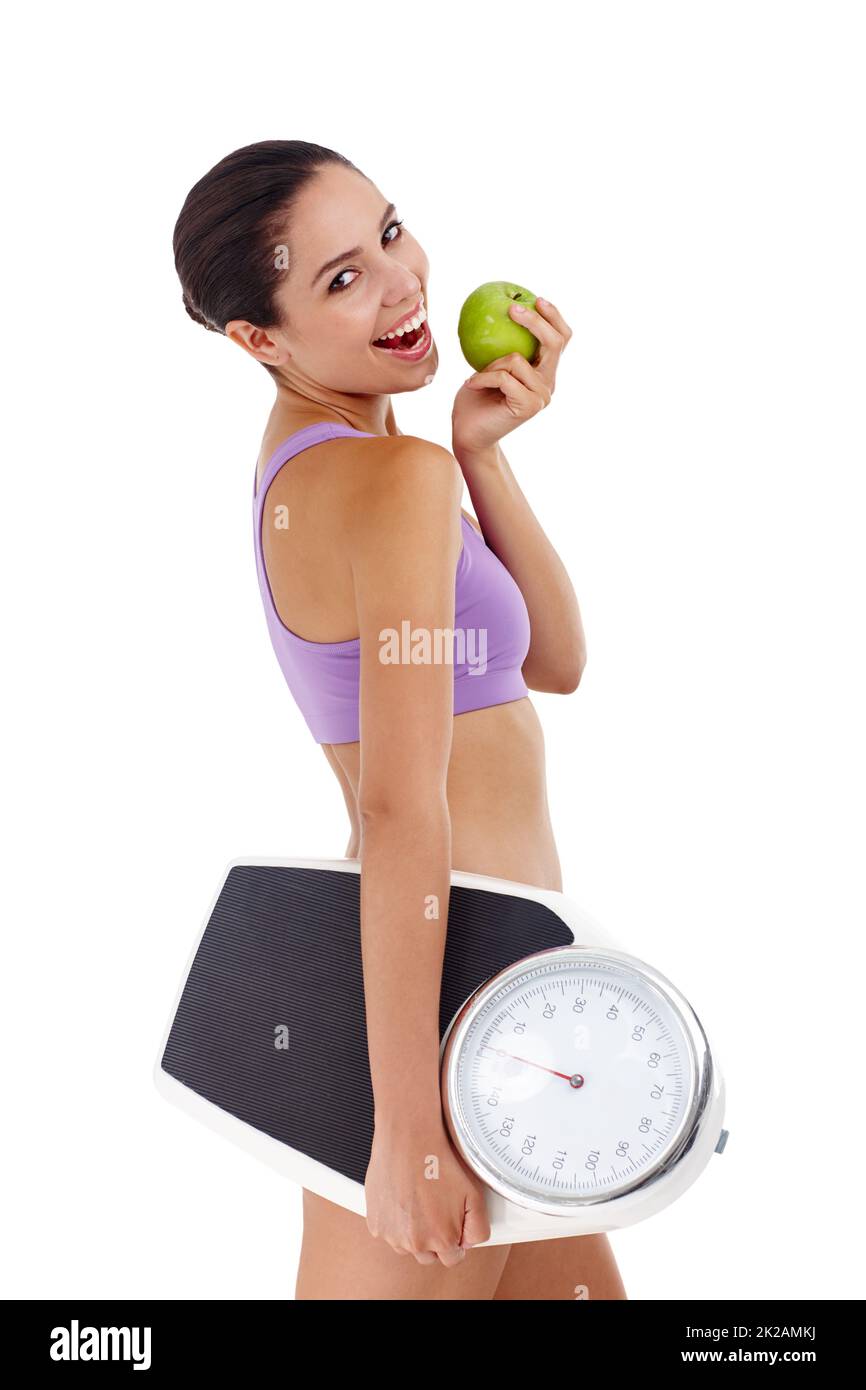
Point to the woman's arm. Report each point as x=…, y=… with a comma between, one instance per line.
x=404, y=545
x=557, y=650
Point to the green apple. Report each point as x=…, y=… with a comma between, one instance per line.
x=486, y=329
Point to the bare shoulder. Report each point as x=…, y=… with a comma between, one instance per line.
x=402, y=478
x=413, y=464
x=395, y=454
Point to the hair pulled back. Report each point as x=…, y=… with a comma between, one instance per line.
x=230, y=225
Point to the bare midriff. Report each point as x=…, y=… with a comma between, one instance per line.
x=497, y=795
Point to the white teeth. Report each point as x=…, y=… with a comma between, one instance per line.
x=415, y=322
x=411, y=324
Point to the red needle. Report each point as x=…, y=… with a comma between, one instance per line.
x=500, y=1052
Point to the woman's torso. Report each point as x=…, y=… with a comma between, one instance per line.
x=497, y=794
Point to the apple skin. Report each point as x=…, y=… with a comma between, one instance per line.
x=486, y=329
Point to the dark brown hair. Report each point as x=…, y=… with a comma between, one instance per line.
x=230, y=225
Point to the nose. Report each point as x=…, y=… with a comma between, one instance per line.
x=405, y=288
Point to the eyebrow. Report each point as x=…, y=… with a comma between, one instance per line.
x=355, y=251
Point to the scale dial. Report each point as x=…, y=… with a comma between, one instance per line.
x=574, y=1076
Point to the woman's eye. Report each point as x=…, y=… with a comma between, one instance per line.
x=335, y=288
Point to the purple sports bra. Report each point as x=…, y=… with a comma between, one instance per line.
x=491, y=625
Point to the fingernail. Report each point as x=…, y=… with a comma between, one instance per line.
x=519, y=309
x=539, y=300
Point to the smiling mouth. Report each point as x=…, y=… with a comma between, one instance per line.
x=411, y=338
x=411, y=346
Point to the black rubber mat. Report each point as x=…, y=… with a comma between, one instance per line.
x=281, y=954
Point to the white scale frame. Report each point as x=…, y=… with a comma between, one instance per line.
x=509, y=1222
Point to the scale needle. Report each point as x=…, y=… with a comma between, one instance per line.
x=575, y=1078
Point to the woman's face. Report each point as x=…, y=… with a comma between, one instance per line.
x=354, y=273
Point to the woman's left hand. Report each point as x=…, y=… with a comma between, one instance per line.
x=510, y=390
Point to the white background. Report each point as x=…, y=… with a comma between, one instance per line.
x=685, y=181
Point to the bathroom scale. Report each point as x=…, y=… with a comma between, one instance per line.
x=577, y=1081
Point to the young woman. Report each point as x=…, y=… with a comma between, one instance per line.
x=295, y=255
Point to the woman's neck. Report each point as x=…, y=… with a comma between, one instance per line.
x=371, y=414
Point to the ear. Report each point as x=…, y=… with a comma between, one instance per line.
x=258, y=342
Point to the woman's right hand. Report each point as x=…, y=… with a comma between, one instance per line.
x=421, y=1197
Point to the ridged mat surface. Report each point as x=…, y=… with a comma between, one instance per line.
x=282, y=951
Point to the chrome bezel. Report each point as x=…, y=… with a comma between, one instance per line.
x=700, y=1079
